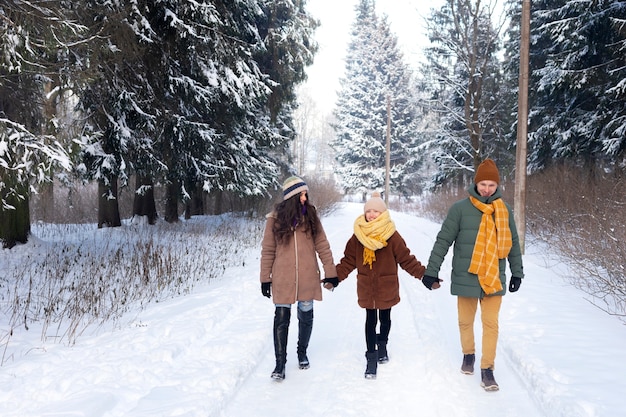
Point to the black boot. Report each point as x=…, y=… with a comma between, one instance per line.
x=488, y=381
x=305, y=326
x=382, y=349
x=281, y=330
x=372, y=364
x=467, y=367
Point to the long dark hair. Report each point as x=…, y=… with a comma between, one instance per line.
x=291, y=214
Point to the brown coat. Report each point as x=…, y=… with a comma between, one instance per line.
x=293, y=268
x=379, y=287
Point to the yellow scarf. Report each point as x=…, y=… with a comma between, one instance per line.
x=493, y=242
x=373, y=235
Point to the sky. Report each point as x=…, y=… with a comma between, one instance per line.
x=337, y=17
x=210, y=353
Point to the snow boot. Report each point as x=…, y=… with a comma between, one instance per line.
x=372, y=364
x=305, y=326
x=281, y=331
x=382, y=349
x=467, y=367
x=488, y=381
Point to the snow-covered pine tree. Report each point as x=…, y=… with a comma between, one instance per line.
x=577, y=83
x=34, y=43
x=285, y=29
x=462, y=66
x=375, y=72
x=208, y=88
x=197, y=96
x=211, y=86
x=116, y=102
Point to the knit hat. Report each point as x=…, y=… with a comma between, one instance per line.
x=375, y=203
x=293, y=186
x=487, y=170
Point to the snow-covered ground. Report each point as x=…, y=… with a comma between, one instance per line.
x=211, y=354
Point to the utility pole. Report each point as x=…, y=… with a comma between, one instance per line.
x=522, y=127
x=388, y=151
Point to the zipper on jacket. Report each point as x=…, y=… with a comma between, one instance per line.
x=295, y=242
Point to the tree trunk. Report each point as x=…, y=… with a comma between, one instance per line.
x=172, y=190
x=108, y=207
x=46, y=203
x=143, y=203
x=195, y=205
x=15, y=223
x=48, y=128
x=218, y=207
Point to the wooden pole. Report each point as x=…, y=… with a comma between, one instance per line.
x=522, y=127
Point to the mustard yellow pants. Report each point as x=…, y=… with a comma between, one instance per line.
x=489, y=312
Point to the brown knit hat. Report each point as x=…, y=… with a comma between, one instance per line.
x=375, y=203
x=487, y=170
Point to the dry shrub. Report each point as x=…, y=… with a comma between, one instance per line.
x=580, y=213
x=324, y=194
x=435, y=206
x=74, y=276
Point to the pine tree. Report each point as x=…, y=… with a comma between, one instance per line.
x=577, y=90
x=375, y=73
x=196, y=100
x=35, y=48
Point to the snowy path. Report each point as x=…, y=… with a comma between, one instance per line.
x=210, y=354
x=423, y=375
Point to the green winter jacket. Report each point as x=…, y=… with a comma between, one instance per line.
x=461, y=228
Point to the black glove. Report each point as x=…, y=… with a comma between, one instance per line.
x=266, y=289
x=431, y=282
x=333, y=280
x=514, y=284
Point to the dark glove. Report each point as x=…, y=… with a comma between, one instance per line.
x=266, y=289
x=334, y=281
x=514, y=284
x=431, y=282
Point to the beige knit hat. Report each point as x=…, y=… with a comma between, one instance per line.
x=293, y=186
x=487, y=170
x=375, y=203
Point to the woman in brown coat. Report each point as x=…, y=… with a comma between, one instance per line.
x=375, y=250
x=293, y=239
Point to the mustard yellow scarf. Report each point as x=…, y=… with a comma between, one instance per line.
x=373, y=235
x=493, y=242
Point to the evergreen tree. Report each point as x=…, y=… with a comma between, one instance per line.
x=375, y=74
x=200, y=97
x=35, y=49
x=577, y=88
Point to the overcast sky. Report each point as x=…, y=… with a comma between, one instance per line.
x=337, y=17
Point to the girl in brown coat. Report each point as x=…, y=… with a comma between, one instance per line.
x=293, y=239
x=375, y=250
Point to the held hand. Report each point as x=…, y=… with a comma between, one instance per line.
x=514, y=284
x=431, y=283
x=266, y=289
x=330, y=283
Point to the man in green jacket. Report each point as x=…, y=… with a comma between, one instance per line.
x=484, y=235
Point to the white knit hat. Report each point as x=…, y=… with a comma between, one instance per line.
x=293, y=186
x=375, y=203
